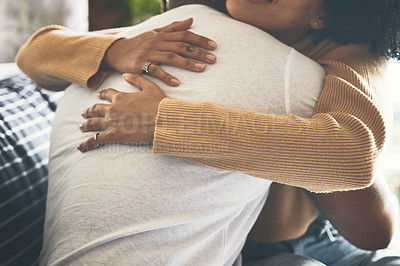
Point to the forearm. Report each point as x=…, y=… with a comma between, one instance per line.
x=55, y=56
x=326, y=153
x=366, y=218
x=334, y=150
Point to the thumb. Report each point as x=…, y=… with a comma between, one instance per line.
x=141, y=82
x=176, y=26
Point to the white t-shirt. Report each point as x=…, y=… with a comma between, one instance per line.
x=122, y=205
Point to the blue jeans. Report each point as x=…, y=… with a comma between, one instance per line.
x=323, y=243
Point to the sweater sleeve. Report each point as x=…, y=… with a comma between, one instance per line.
x=334, y=150
x=56, y=56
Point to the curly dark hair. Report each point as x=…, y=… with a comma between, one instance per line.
x=372, y=22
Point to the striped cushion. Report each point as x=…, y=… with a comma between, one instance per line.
x=26, y=113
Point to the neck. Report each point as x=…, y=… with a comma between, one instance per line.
x=216, y=4
x=291, y=37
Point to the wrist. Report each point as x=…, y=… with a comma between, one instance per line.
x=109, y=55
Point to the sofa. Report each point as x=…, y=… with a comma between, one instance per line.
x=26, y=114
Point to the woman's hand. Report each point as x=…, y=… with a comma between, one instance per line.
x=170, y=45
x=128, y=119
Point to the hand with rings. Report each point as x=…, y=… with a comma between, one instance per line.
x=128, y=119
x=170, y=45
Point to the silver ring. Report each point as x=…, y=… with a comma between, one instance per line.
x=145, y=68
x=96, y=141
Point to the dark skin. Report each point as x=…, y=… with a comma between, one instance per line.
x=364, y=217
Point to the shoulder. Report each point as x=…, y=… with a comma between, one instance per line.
x=356, y=56
x=353, y=63
x=327, y=51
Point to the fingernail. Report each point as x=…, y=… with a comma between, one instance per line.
x=199, y=66
x=175, y=82
x=212, y=44
x=211, y=57
x=82, y=148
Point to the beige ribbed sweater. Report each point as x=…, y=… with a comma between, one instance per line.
x=334, y=150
